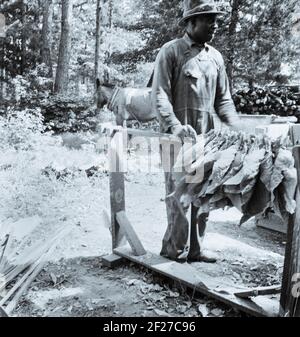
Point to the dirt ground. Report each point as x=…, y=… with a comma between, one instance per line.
x=82, y=287
x=75, y=283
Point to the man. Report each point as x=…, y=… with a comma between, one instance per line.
x=189, y=84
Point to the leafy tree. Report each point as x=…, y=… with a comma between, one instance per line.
x=20, y=48
x=47, y=35
x=256, y=39
x=62, y=71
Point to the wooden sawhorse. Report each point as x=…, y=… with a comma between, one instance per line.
x=184, y=273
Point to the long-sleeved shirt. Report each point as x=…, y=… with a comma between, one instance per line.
x=190, y=84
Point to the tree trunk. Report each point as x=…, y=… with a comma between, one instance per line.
x=251, y=82
x=62, y=72
x=97, y=53
x=110, y=11
x=24, y=37
x=77, y=86
x=2, y=52
x=47, y=36
x=235, y=4
x=110, y=23
x=103, y=19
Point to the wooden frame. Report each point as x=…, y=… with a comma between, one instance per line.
x=239, y=299
x=290, y=305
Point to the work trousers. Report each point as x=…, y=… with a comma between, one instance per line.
x=183, y=238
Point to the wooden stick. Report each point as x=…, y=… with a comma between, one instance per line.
x=5, y=251
x=34, y=270
x=130, y=234
x=259, y=291
x=31, y=254
x=27, y=279
x=19, y=283
x=142, y=133
x=38, y=250
x=12, y=274
x=4, y=245
x=290, y=305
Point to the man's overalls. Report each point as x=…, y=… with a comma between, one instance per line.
x=189, y=85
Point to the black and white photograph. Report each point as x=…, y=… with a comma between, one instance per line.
x=149, y=161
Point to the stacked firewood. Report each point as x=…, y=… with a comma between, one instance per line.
x=269, y=101
x=151, y=125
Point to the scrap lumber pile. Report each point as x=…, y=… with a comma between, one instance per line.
x=19, y=265
x=272, y=101
x=252, y=173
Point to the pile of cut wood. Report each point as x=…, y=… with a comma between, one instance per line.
x=20, y=263
x=269, y=101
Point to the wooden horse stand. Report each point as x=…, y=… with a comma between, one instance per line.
x=185, y=273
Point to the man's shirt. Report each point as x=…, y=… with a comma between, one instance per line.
x=189, y=84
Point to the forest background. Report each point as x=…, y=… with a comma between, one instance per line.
x=53, y=51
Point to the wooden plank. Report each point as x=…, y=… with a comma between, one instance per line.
x=22, y=285
x=274, y=131
x=12, y=274
x=204, y=284
x=130, y=234
x=151, y=134
x=117, y=189
x=140, y=133
x=112, y=261
x=3, y=312
x=272, y=222
x=289, y=304
x=295, y=134
x=259, y=291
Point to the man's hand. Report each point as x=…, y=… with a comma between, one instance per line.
x=184, y=131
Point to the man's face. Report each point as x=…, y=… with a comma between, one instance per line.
x=204, y=27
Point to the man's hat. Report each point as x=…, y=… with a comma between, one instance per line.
x=198, y=7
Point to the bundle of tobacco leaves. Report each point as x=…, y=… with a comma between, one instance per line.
x=252, y=173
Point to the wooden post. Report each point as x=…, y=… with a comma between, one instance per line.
x=295, y=134
x=289, y=302
x=117, y=185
